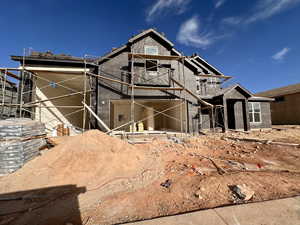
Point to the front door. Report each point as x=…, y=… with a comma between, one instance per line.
x=236, y=113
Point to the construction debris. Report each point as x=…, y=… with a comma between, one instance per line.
x=241, y=192
x=198, y=194
x=264, y=141
x=166, y=184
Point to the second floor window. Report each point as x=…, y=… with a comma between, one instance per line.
x=151, y=50
x=152, y=67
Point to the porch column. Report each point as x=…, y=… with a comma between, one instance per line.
x=225, y=114
x=247, y=115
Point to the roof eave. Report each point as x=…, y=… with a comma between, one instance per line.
x=43, y=60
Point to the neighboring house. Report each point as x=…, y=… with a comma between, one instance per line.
x=285, y=109
x=171, y=92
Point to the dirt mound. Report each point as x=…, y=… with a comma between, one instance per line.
x=97, y=179
x=93, y=160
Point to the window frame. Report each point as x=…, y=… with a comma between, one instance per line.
x=252, y=113
x=150, y=46
x=152, y=72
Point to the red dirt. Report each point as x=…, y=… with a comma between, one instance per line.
x=123, y=182
x=103, y=165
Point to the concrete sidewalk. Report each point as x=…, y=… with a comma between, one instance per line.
x=276, y=212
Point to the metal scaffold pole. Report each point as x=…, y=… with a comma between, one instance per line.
x=84, y=96
x=21, y=87
x=3, y=91
x=185, y=101
x=132, y=94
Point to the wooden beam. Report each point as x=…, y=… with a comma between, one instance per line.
x=97, y=117
x=213, y=75
x=191, y=93
x=264, y=141
x=109, y=79
x=162, y=57
x=158, y=88
x=136, y=87
x=10, y=74
x=14, y=69
x=13, y=75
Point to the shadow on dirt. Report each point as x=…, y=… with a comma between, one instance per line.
x=45, y=206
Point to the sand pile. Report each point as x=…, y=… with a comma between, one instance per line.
x=93, y=160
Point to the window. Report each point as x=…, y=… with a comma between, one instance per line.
x=212, y=81
x=151, y=50
x=52, y=84
x=151, y=67
x=254, y=112
x=279, y=99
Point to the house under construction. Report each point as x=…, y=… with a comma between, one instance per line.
x=145, y=85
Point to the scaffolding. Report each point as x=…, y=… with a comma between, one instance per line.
x=30, y=76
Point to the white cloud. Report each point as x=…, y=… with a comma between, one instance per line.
x=232, y=20
x=189, y=34
x=179, y=6
x=219, y=3
x=281, y=54
x=264, y=9
x=267, y=8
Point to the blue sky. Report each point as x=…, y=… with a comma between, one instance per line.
x=255, y=41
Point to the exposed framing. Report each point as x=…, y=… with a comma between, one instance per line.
x=178, y=85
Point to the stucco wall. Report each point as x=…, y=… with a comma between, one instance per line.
x=265, y=117
x=48, y=86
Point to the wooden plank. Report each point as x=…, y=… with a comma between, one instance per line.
x=264, y=141
x=97, y=117
x=158, y=88
x=15, y=69
x=162, y=57
x=108, y=79
x=212, y=75
x=10, y=74
x=137, y=87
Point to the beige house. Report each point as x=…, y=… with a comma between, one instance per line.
x=285, y=110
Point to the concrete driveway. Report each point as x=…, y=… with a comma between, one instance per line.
x=276, y=212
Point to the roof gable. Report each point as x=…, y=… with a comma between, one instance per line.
x=206, y=65
x=150, y=31
x=237, y=87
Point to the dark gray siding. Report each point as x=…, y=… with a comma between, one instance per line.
x=104, y=97
x=112, y=68
x=239, y=115
x=265, y=117
x=143, y=77
x=193, y=119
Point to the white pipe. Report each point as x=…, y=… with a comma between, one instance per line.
x=55, y=69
